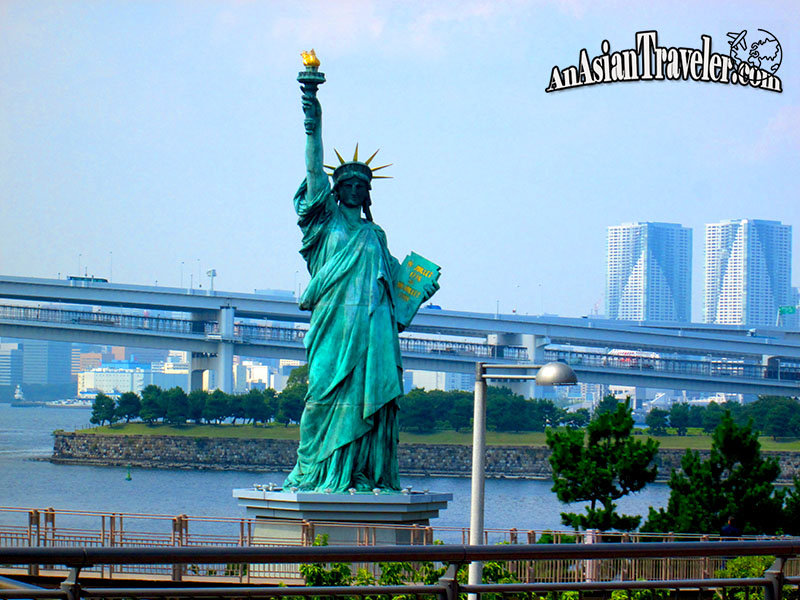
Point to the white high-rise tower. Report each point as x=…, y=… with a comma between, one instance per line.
x=748, y=271
x=649, y=272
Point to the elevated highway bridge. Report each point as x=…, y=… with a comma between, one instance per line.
x=215, y=326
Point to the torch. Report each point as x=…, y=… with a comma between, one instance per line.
x=311, y=78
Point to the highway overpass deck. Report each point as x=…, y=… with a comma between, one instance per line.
x=423, y=353
x=686, y=338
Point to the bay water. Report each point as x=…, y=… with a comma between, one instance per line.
x=29, y=480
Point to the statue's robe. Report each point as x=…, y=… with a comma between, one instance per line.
x=348, y=431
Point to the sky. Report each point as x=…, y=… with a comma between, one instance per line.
x=152, y=141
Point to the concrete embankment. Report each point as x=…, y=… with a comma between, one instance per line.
x=279, y=455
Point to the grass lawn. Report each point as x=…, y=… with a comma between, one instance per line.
x=494, y=438
x=275, y=432
x=279, y=432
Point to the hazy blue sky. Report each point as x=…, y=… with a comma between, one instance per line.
x=155, y=133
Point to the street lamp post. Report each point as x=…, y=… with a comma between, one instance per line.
x=553, y=373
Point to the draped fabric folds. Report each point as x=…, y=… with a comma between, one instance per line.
x=348, y=431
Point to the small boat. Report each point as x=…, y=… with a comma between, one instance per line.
x=20, y=402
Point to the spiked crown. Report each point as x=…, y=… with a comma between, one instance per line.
x=355, y=168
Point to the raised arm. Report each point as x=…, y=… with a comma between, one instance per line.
x=315, y=175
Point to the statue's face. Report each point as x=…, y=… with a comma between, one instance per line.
x=352, y=192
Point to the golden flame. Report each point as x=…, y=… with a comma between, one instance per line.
x=310, y=58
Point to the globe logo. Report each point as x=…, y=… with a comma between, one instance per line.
x=761, y=50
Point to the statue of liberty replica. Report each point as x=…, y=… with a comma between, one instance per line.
x=359, y=296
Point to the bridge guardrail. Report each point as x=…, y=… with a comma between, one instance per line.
x=678, y=366
x=256, y=333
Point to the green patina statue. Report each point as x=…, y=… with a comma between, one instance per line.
x=348, y=431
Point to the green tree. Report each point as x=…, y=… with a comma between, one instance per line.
x=291, y=400
x=259, y=406
x=103, y=410
x=128, y=406
x=781, y=422
x=435, y=410
x=578, y=418
x=609, y=403
x=439, y=409
x=236, y=407
x=657, y=421
x=298, y=376
x=696, y=413
x=738, y=412
x=712, y=417
x=544, y=413
x=415, y=412
x=461, y=410
x=217, y=407
x=196, y=405
x=293, y=397
x=177, y=406
x=734, y=481
x=776, y=416
x=600, y=467
x=507, y=411
x=791, y=509
x=271, y=398
x=153, y=408
x=679, y=417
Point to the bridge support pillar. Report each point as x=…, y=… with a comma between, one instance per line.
x=224, y=362
x=195, y=379
x=198, y=365
x=220, y=363
x=535, y=345
x=224, y=367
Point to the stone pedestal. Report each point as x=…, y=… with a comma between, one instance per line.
x=295, y=518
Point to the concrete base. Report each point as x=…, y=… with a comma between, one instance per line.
x=348, y=519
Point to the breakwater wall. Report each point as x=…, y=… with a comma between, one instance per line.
x=279, y=455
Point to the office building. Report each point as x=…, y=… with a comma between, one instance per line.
x=45, y=362
x=649, y=274
x=748, y=270
x=438, y=380
x=10, y=364
x=792, y=321
x=116, y=381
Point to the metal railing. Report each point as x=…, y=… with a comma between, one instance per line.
x=678, y=366
x=255, y=333
x=252, y=333
x=64, y=529
x=84, y=318
x=587, y=558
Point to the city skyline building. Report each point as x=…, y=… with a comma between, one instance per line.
x=649, y=272
x=437, y=380
x=792, y=321
x=45, y=362
x=10, y=364
x=748, y=270
x=119, y=380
